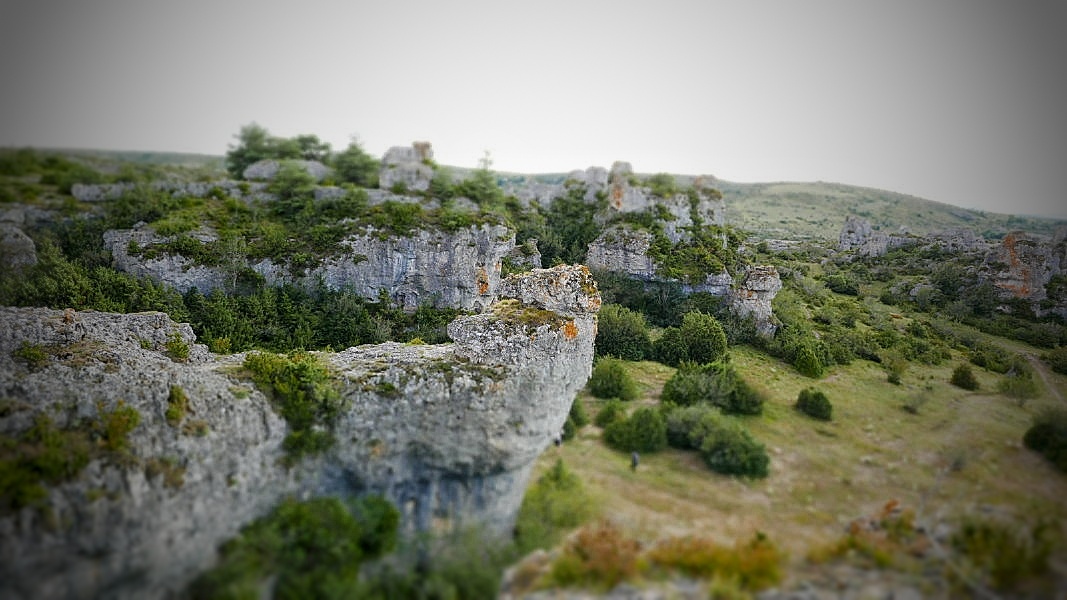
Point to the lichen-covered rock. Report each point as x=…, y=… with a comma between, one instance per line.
x=622, y=249
x=1024, y=264
x=407, y=166
x=459, y=269
x=448, y=433
x=17, y=250
x=753, y=296
x=267, y=169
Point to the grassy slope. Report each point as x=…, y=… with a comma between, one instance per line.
x=961, y=453
x=817, y=211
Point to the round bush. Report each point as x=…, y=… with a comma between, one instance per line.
x=643, y=431
x=609, y=413
x=689, y=385
x=610, y=379
x=807, y=361
x=703, y=336
x=682, y=422
x=963, y=377
x=815, y=404
x=730, y=450
x=622, y=333
x=670, y=349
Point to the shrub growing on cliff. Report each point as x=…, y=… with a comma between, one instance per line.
x=622, y=333
x=311, y=549
x=815, y=404
x=610, y=379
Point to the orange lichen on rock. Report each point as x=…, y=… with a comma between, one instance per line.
x=570, y=330
x=483, y=281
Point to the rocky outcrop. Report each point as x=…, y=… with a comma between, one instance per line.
x=17, y=250
x=459, y=269
x=858, y=237
x=267, y=169
x=240, y=190
x=752, y=297
x=1024, y=264
x=446, y=432
x=623, y=249
x=407, y=166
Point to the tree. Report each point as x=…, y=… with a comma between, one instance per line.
x=610, y=379
x=622, y=333
x=704, y=338
x=354, y=165
x=254, y=143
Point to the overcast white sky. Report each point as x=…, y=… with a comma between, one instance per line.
x=956, y=101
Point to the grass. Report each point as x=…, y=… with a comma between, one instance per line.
x=960, y=452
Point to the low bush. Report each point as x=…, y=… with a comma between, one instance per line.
x=963, y=377
x=728, y=448
x=1006, y=554
x=643, y=431
x=622, y=333
x=1048, y=437
x=555, y=504
x=310, y=549
x=1057, y=359
x=610, y=379
x=754, y=565
x=609, y=412
x=717, y=383
x=815, y=404
x=682, y=421
x=598, y=556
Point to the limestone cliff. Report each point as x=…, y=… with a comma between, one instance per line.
x=1023, y=265
x=447, y=432
x=458, y=269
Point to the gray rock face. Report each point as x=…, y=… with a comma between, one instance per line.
x=1024, y=264
x=17, y=250
x=752, y=297
x=241, y=190
x=407, y=166
x=267, y=169
x=857, y=235
x=451, y=439
x=458, y=269
x=622, y=249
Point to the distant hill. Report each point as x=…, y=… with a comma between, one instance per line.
x=780, y=210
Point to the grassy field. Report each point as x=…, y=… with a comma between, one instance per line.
x=955, y=453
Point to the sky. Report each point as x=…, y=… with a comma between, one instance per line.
x=958, y=101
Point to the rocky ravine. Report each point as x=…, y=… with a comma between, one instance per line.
x=447, y=432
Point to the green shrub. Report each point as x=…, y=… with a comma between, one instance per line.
x=717, y=383
x=815, y=404
x=807, y=362
x=643, y=431
x=670, y=348
x=114, y=426
x=622, y=333
x=42, y=455
x=301, y=388
x=610, y=379
x=963, y=377
x=177, y=348
x=728, y=448
x=1048, y=437
x=1006, y=554
x=682, y=421
x=1057, y=359
x=34, y=355
x=1019, y=385
x=177, y=404
x=555, y=504
x=577, y=414
x=310, y=549
x=704, y=338
x=610, y=411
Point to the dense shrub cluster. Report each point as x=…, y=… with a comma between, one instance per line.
x=643, y=431
x=815, y=404
x=310, y=549
x=555, y=504
x=963, y=377
x=610, y=379
x=723, y=443
x=1048, y=437
x=700, y=339
x=622, y=333
x=715, y=383
x=611, y=410
x=302, y=390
